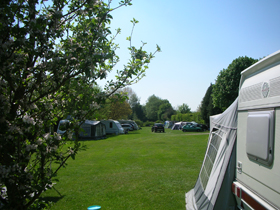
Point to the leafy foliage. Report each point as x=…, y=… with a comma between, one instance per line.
x=183, y=109
x=52, y=54
x=165, y=111
x=152, y=107
x=115, y=109
x=158, y=109
x=138, y=112
x=225, y=90
x=207, y=108
x=188, y=117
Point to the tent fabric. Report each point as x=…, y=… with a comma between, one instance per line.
x=213, y=187
x=92, y=130
x=168, y=124
x=178, y=125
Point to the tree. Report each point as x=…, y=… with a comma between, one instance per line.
x=165, y=110
x=138, y=112
x=152, y=107
x=133, y=100
x=183, y=109
x=225, y=90
x=158, y=109
x=115, y=109
x=207, y=108
x=47, y=51
x=188, y=117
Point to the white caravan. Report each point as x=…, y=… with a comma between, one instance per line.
x=241, y=167
x=113, y=127
x=257, y=183
x=129, y=122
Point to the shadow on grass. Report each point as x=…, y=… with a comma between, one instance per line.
x=52, y=199
x=129, y=133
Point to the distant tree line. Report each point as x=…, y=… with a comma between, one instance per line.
x=155, y=109
x=218, y=97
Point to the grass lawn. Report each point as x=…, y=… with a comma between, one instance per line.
x=140, y=170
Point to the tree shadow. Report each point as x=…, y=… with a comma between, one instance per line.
x=52, y=199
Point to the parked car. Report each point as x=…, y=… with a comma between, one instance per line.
x=191, y=128
x=133, y=127
x=204, y=127
x=158, y=127
x=127, y=127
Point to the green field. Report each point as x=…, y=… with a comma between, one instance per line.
x=140, y=170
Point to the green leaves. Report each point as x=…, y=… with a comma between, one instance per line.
x=226, y=88
x=126, y=2
x=134, y=21
x=51, y=55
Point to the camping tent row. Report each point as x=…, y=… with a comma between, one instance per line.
x=96, y=129
x=89, y=129
x=179, y=125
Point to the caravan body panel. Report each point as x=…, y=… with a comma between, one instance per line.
x=113, y=127
x=258, y=131
x=129, y=122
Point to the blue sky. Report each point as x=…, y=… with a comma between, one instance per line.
x=198, y=39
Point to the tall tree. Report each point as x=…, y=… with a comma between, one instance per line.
x=138, y=112
x=45, y=48
x=134, y=103
x=183, y=109
x=152, y=107
x=115, y=109
x=225, y=90
x=165, y=110
x=207, y=108
x=133, y=100
x=131, y=96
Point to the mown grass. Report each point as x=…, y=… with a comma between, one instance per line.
x=140, y=170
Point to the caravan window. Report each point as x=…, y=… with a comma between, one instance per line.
x=63, y=125
x=111, y=124
x=260, y=134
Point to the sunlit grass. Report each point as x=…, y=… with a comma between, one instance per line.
x=140, y=170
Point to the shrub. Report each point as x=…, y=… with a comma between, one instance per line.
x=148, y=123
x=139, y=123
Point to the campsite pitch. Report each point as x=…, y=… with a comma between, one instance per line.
x=139, y=170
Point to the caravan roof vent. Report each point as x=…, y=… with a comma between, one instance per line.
x=274, y=87
x=250, y=93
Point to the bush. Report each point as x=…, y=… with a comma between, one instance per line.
x=189, y=117
x=148, y=123
x=139, y=123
